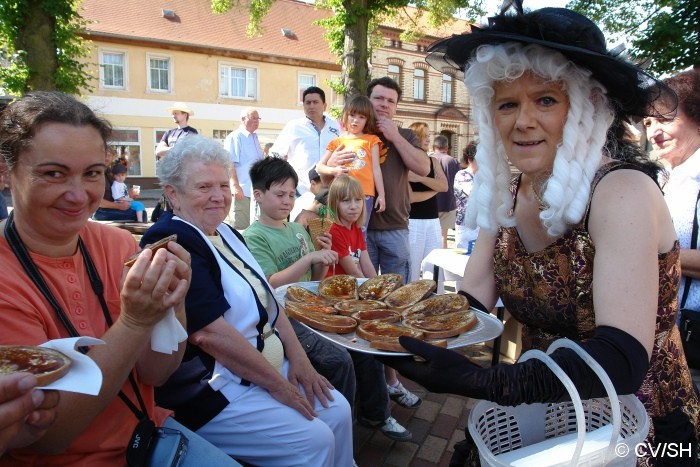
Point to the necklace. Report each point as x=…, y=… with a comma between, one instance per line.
x=538, y=185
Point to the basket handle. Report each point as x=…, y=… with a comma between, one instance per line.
x=605, y=379
x=573, y=393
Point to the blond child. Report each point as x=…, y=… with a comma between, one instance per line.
x=346, y=200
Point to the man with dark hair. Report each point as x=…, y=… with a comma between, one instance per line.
x=303, y=141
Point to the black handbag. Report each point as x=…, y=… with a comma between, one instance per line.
x=690, y=319
x=690, y=333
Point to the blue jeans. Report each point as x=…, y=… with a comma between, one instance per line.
x=104, y=214
x=389, y=251
x=199, y=450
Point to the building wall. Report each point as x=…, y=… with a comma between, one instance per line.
x=141, y=115
x=137, y=108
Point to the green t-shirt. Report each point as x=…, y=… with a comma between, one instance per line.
x=277, y=249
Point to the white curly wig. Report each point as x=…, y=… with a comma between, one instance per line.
x=578, y=156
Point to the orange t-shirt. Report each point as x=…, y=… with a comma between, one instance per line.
x=361, y=166
x=27, y=318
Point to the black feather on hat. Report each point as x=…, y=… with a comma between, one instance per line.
x=630, y=89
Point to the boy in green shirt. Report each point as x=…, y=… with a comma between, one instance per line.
x=283, y=249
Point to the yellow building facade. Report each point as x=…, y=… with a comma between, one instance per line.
x=147, y=55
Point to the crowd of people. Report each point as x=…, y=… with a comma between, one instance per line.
x=590, y=240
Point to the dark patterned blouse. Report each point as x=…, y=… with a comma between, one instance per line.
x=550, y=292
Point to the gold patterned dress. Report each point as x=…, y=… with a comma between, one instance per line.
x=550, y=292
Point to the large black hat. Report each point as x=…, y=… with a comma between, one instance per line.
x=631, y=90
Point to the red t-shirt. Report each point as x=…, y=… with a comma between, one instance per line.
x=346, y=242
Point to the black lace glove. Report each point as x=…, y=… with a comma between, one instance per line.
x=446, y=371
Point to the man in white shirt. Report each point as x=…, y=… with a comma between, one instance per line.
x=303, y=141
x=245, y=150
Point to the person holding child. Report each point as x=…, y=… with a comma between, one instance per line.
x=580, y=243
x=360, y=138
x=245, y=381
x=120, y=192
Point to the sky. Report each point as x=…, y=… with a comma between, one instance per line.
x=493, y=6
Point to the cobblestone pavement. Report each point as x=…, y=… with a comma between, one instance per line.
x=436, y=426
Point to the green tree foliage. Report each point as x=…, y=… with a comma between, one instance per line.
x=351, y=30
x=664, y=31
x=41, y=47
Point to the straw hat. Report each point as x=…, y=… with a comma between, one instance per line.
x=182, y=107
x=630, y=89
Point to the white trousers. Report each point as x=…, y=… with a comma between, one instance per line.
x=258, y=429
x=424, y=235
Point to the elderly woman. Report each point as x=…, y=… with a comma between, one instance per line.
x=246, y=384
x=53, y=148
x=677, y=141
x=580, y=243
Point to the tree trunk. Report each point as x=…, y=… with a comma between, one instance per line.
x=355, y=61
x=35, y=37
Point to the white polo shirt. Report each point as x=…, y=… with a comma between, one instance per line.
x=303, y=144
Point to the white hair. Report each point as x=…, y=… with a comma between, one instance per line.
x=246, y=112
x=578, y=156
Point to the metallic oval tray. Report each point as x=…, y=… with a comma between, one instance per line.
x=487, y=328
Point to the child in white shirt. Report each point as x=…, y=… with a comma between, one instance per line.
x=120, y=193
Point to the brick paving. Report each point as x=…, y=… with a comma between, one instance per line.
x=436, y=426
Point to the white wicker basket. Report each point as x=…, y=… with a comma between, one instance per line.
x=588, y=433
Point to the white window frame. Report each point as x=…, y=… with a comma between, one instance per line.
x=170, y=71
x=447, y=88
x=391, y=73
x=217, y=133
x=419, y=79
x=301, y=87
x=118, y=144
x=249, y=78
x=125, y=65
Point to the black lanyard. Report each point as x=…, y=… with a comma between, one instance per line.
x=22, y=254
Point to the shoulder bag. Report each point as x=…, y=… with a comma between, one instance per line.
x=690, y=319
x=148, y=442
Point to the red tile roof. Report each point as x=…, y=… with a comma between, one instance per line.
x=196, y=26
